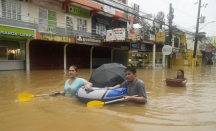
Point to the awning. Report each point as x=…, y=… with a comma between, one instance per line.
x=207, y=54
x=102, y=21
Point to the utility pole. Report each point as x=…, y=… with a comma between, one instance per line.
x=170, y=18
x=194, y=62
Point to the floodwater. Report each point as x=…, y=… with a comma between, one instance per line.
x=190, y=108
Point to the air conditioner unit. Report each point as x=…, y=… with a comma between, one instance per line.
x=182, y=44
x=184, y=50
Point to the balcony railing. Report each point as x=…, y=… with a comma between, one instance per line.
x=48, y=26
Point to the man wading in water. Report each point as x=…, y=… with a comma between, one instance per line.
x=134, y=86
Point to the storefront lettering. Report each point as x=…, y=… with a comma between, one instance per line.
x=91, y=40
x=15, y=33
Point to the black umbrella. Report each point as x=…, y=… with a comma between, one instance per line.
x=108, y=75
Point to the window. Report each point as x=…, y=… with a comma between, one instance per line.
x=69, y=25
x=11, y=10
x=81, y=25
x=100, y=27
x=47, y=21
x=176, y=42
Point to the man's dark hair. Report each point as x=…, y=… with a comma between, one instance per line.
x=131, y=69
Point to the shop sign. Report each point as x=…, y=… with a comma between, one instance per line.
x=136, y=54
x=48, y=3
x=57, y=38
x=115, y=34
x=119, y=33
x=143, y=47
x=208, y=48
x=77, y=11
x=88, y=40
x=109, y=35
x=160, y=37
x=202, y=47
x=167, y=50
x=109, y=9
x=134, y=34
x=135, y=46
x=175, y=50
x=178, y=55
x=13, y=32
x=152, y=37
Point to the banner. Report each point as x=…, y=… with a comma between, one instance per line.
x=134, y=34
x=109, y=9
x=119, y=33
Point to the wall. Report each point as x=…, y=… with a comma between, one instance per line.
x=187, y=56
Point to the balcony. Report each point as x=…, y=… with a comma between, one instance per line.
x=53, y=27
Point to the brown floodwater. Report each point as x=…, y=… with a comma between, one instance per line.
x=190, y=108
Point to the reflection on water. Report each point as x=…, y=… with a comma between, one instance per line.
x=169, y=108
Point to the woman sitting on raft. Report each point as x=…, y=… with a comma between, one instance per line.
x=72, y=84
x=180, y=75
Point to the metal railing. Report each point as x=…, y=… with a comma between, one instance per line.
x=48, y=26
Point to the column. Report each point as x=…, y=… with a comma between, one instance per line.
x=153, y=61
x=65, y=56
x=27, y=55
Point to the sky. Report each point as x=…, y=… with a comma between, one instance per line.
x=185, y=13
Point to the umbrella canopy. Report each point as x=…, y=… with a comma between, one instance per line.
x=108, y=75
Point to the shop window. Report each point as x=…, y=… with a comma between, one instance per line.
x=100, y=27
x=69, y=25
x=47, y=21
x=10, y=50
x=176, y=42
x=11, y=10
x=82, y=25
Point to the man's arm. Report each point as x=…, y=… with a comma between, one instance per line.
x=114, y=87
x=137, y=99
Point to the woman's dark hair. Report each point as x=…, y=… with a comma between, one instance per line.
x=182, y=73
x=75, y=68
x=131, y=69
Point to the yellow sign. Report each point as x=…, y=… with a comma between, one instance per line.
x=160, y=37
x=55, y=38
x=134, y=36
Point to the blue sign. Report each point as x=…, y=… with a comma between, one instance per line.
x=207, y=54
x=135, y=46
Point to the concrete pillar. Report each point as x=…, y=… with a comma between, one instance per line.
x=153, y=61
x=163, y=61
x=91, y=57
x=27, y=55
x=65, y=56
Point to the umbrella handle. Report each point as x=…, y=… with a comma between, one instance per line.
x=117, y=100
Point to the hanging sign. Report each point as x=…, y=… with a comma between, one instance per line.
x=167, y=50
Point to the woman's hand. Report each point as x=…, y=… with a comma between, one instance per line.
x=52, y=94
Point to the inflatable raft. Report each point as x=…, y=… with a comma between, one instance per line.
x=101, y=94
x=174, y=82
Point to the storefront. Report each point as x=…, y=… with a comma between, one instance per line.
x=13, y=47
x=140, y=55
